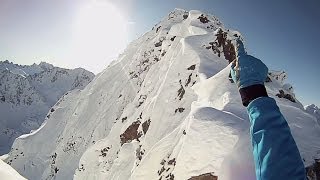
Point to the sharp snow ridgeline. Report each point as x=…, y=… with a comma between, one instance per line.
x=28, y=92
x=164, y=109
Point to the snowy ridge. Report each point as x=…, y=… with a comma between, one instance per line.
x=164, y=110
x=27, y=94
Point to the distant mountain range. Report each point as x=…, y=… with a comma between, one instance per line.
x=28, y=92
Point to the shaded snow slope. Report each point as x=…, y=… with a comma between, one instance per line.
x=27, y=94
x=164, y=110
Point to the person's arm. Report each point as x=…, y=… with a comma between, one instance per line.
x=275, y=152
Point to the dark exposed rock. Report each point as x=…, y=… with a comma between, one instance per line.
x=124, y=119
x=268, y=79
x=229, y=51
x=141, y=99
x=167, y=168
x=172, y=162
x=181, y=92
x=317, y=168
x=156, y=59
x=188, y=80
x=161, y=170
x=185, y=16
x=56, y=170
x=145, y=126
x=282, y=94
x=313, y=171
x=206, y=176
x=214, y=47
x=104, y=151
x=211, y=27
x=180, y=110
x=158, y=28
x=203, y=19
x=2, y=98
x=192, y=67
x=81, y=168
x=140, y=116
x=131, y=133
x=133, y=75
x=139, y=153
x=158, y=44
x=221, y=37
x=172, y=39
x=227, y=46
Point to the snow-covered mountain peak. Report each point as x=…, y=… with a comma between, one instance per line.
x=46, y=66
x=197, y=22
x=23, y=70
x=313, y=110
x=165, y=109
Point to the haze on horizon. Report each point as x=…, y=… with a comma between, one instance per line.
x=90, y=34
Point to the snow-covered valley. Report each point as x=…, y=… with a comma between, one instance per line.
x=165, y=109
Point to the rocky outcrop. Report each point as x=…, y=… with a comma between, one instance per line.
x=282, y=94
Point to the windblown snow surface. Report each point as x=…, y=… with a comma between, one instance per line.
x=164, y=109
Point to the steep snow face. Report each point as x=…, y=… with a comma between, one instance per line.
x=28, y=92
x=164, y=110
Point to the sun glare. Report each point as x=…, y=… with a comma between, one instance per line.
x=99, y=35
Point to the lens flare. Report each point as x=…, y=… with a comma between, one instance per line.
x=99, y=35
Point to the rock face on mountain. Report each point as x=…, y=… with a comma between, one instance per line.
x=28, y=92
x=164, y=109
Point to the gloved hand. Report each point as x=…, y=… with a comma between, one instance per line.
x=249, y=73
x=247, y=70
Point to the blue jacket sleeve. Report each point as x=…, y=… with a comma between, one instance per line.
x=275, y=152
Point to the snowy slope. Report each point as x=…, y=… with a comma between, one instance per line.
x=164, y=110
x=7, y=172
x=28, y=92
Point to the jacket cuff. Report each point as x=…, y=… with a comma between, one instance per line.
x=251, y=93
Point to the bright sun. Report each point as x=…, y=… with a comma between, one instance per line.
x=99, y=35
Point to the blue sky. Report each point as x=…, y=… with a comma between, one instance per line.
x=284, y=34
